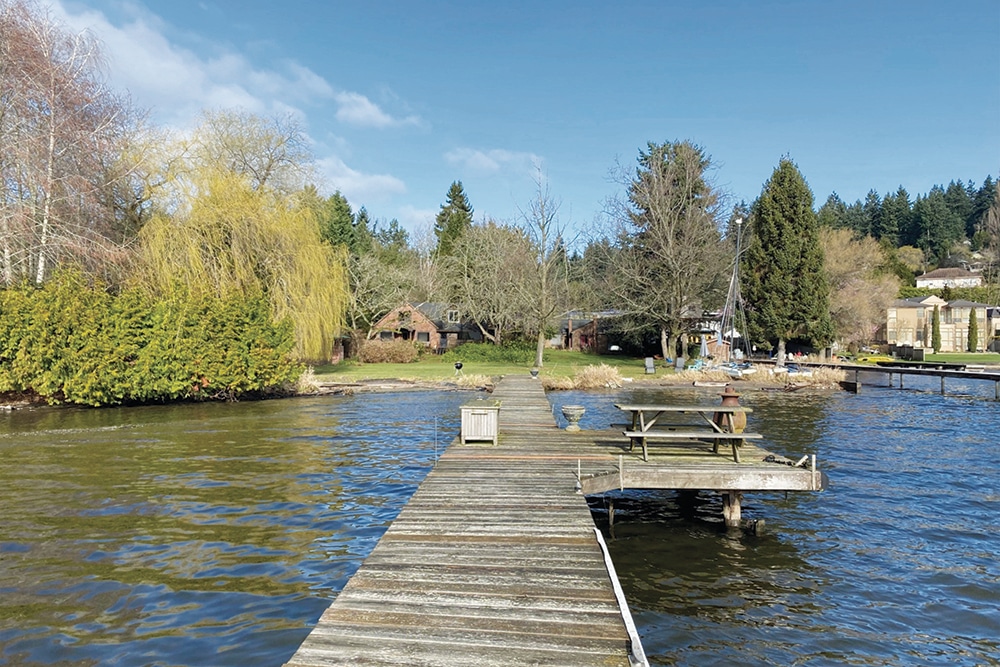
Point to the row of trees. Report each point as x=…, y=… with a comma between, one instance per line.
x=227, y=212
x=937, y=224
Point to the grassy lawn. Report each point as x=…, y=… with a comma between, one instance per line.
x=558, y=363
x=991, y=358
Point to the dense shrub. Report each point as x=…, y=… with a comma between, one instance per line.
x=70, y=341
x=515, y=352
x=396, y=351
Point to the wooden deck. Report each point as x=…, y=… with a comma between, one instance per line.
x=496, y=561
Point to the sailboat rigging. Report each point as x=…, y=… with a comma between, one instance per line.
x=733, y=324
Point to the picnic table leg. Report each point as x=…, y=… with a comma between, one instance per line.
x=727, y=427
x=736, y=450
x=645, y=453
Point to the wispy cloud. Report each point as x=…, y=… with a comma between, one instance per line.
x=356, y=109
x=358, y=187
x=178, y=83
x=493, y=161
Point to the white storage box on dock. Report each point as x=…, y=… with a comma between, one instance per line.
x=480, y=421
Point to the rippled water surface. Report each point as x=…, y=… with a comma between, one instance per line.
x=197, y=534
x=897, y=563
x=216, y=534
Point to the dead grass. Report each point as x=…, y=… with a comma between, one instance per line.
x=600, y=376
x=821, y=377
x=474, y=380
x=307, y=382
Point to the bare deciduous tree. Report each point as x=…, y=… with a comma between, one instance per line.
x=487, y=270
x=60, y=129
x=666, y=262
x=271, y=152
x=860, y=292
x=548, y=287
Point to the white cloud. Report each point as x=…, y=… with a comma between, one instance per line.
x=359, y=188
x=356, y=109
x=178, y=83
x=493, y=161
x=412, y=217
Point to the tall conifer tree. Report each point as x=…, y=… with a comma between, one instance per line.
x=785, y=287
x=454, y=218
x=973, y=331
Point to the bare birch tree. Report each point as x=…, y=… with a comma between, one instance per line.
x=60, y=127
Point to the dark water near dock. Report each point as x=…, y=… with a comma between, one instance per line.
x=215, y=534
x=898, y=563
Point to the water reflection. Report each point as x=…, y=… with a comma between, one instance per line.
x=896, y=564
x=229, y=526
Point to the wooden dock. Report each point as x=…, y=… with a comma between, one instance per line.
x=496, y=560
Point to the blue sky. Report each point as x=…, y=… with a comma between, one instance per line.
x=400, y=98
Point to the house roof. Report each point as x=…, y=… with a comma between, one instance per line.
x=939, y=274
x=437, y=312
x=962, y=303
x=931, y=301
x=919, y=302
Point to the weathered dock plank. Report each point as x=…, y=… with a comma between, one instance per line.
x=493, y=561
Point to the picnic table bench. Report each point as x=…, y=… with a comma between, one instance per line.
x=718, y=417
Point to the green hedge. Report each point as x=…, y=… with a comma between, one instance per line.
x=515, y=352
x=70, y=341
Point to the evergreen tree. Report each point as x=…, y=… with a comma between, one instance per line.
x=937, y=226
x=959, y=202
x=833, y=213
x=872, y=209
x=337, y=221
x=855, y=220
x=785, y=287
x=936, y=330
x=893, y=220
x=973, y=331
x=453, y=220
x=981, y=202
x=361, y=233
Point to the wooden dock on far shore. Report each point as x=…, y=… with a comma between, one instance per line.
x=496, y=560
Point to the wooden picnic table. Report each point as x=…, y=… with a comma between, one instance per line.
x=644, y=417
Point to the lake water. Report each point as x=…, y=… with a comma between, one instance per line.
x=216, y=534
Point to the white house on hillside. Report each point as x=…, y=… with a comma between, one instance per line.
x=939, y=278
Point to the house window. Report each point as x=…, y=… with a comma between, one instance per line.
x=423, y=337
x=453, y=317
x=385, y=335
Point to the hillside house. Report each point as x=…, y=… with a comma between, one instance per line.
x=908, y=322
x=954, y=277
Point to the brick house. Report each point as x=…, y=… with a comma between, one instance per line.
x=438, y=326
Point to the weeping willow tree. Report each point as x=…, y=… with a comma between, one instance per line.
x=231, y=238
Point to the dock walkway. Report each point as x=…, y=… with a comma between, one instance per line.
x=494, y=561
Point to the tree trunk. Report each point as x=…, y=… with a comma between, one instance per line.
x=780, y=359
x=539, y=348
x=665, y=345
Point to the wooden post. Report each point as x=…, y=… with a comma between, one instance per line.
x=996, y=390
x=901, y=380
x=942, y=385
x=611, y=512
x=731, y=513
